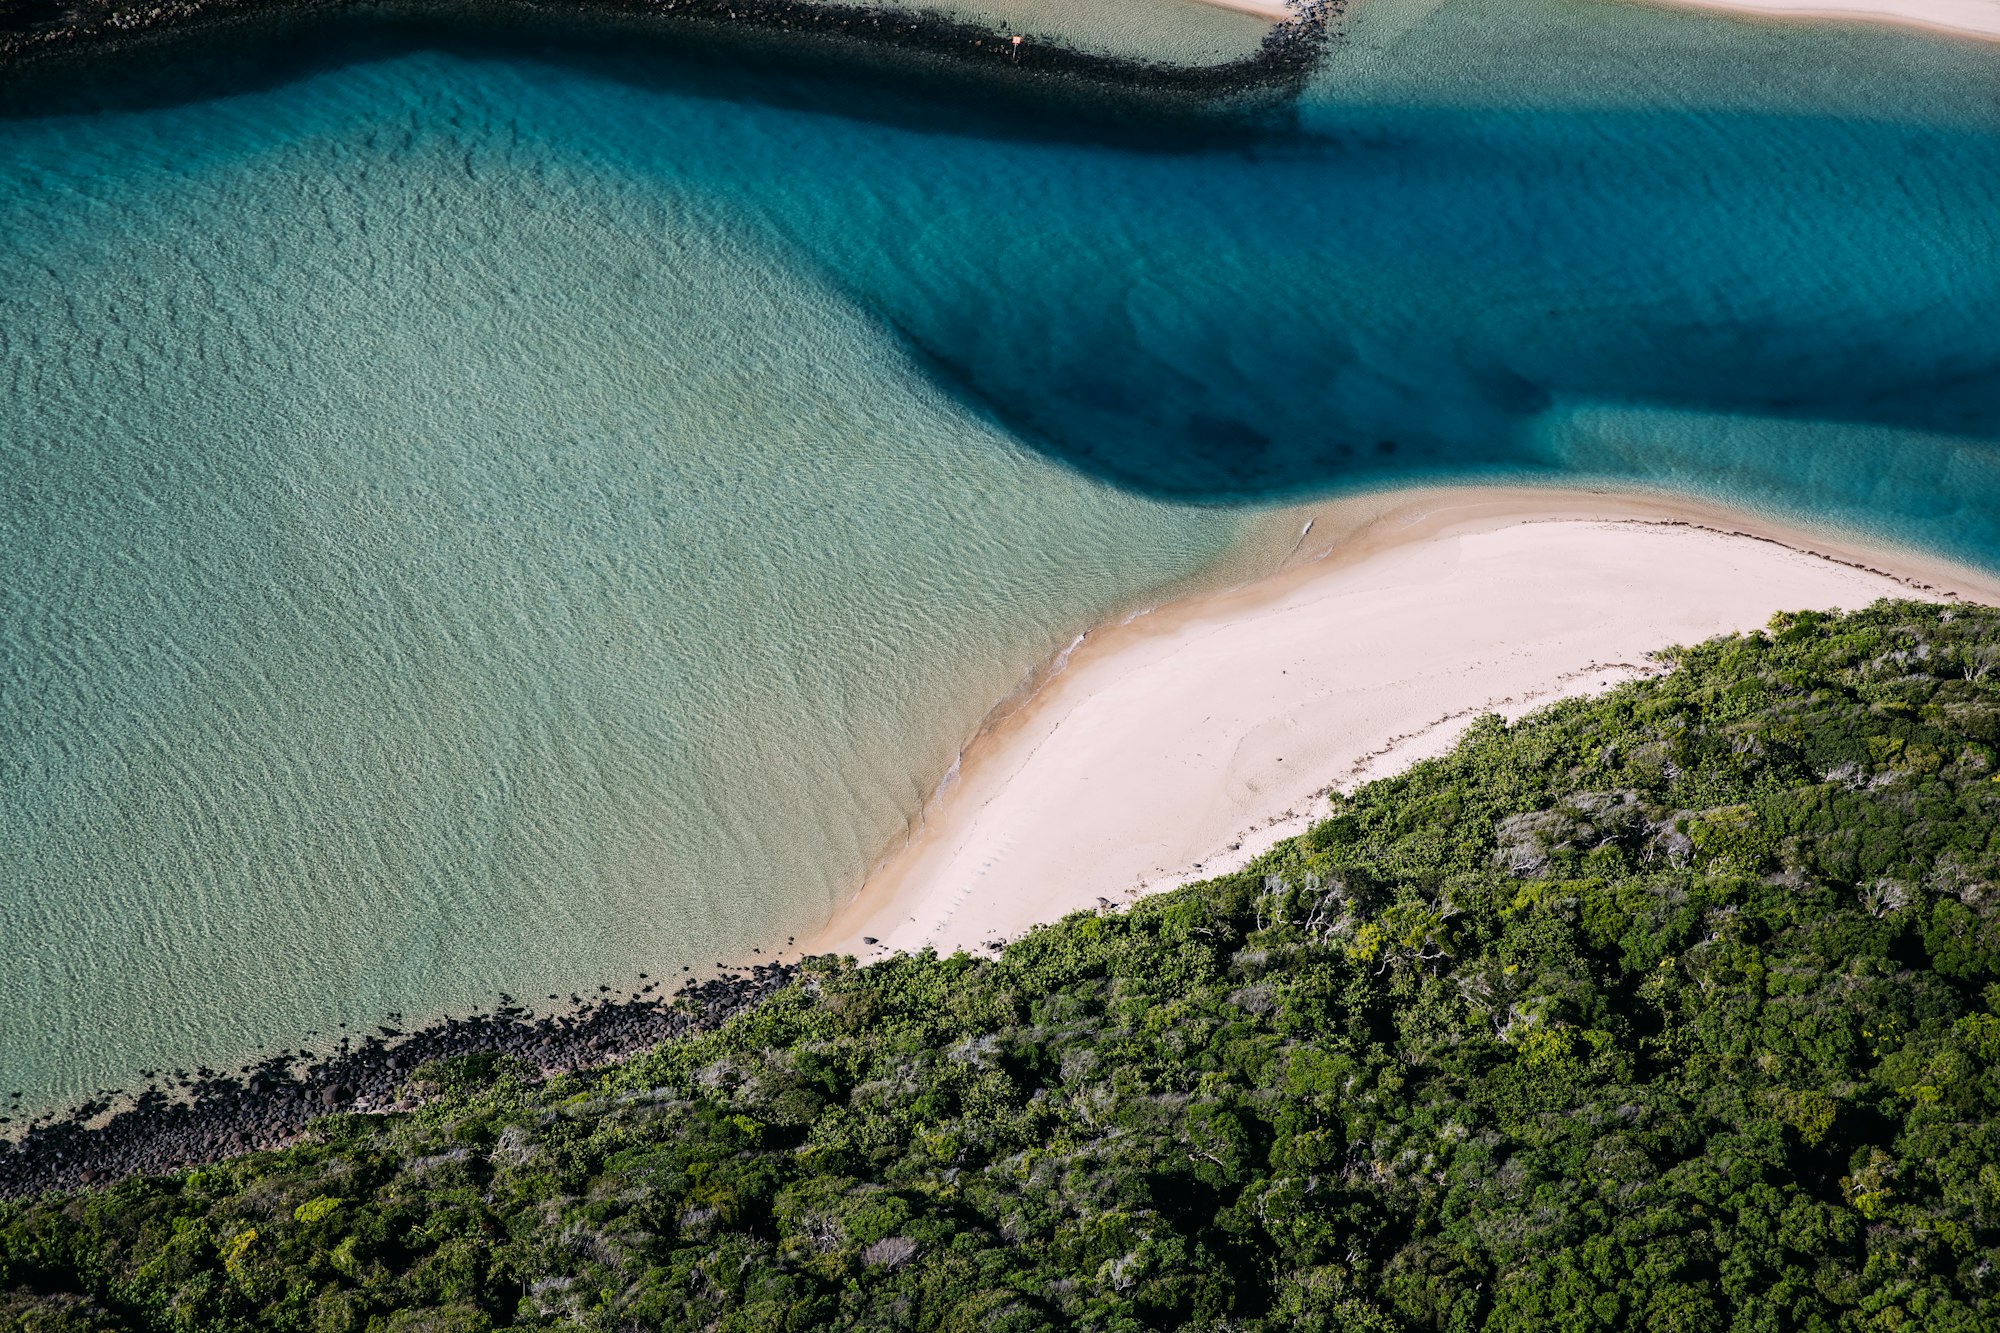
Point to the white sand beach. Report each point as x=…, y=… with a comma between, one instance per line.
x=1185, y=741
x=1275, y=10
x=1965, y=18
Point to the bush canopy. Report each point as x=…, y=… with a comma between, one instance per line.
x=1676, y=1009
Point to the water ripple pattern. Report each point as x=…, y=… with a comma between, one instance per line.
x=478, y=523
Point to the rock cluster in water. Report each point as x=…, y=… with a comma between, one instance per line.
x=211, y=1115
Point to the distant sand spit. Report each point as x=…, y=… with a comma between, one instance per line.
x=1968, y=18
x=1185, y=741
x=1275, y=10
x=1965, y=18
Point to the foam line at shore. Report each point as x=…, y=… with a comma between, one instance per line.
x=1183, y=742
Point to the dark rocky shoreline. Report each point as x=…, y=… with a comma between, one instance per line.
x=204, y=1115
x=34, y=31
x=71, y=39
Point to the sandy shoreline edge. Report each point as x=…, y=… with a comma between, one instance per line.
x=1184, y=741
x=1958, y=18
x=1979, y=19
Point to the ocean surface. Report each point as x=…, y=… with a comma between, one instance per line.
x=488, y=515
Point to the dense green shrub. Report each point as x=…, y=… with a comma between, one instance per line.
x=1677, y=1009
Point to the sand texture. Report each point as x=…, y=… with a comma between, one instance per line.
x=1183, y=742
x=1969, y=18
x=1966, y=18
x=1275, y=10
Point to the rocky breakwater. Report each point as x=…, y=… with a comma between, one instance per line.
x=38, y=28
x=193, y=1117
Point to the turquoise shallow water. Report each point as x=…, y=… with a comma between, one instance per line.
x=484, y=521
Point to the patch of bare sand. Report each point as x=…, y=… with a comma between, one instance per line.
x=1960, y=18
x=1186, y=740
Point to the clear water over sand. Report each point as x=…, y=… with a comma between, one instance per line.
x=482, y=522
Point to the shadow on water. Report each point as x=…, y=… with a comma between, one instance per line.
x=1798, y=309
x=1113, y=403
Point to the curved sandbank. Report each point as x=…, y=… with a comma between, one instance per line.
x=1963, y=18
x=1184, y=741
x=1959, y=18
x=1275, y=10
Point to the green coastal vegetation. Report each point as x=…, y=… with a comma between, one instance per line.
x=1676, y=1009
